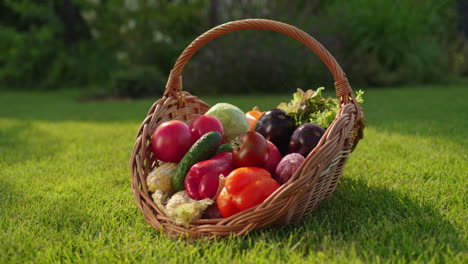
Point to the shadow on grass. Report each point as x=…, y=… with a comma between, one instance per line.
x=375, y=220
x=22, y=141
x=61, y=106
x=433, y=111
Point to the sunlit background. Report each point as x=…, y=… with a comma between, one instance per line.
x=127, y=47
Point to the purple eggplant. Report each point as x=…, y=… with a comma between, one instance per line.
x=277, y=127
x=305, y=138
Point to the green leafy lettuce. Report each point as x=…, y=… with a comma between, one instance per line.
x=311, y=107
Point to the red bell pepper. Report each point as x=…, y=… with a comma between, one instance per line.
x=202, y=180
x=244, y=188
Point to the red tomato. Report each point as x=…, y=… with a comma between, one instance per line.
x=244, y=188
x=252, y=151
x=253, y=116
x=171, y=140
x=204, y=124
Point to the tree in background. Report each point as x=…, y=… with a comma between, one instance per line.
x=145, y=37
x=54, y=43
x=377, y=42
x=47, y=45
x=463, y=17
x=129, y=46
x=75, y=29
x=461, y=51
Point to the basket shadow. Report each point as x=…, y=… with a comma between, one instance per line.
x=370, y=218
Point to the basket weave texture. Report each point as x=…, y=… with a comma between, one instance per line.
x=314, y=181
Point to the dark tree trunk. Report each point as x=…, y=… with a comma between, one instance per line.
x=463, y=17
x=74, y=26
x=214, y=13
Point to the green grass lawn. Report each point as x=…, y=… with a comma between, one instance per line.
x=65, y=191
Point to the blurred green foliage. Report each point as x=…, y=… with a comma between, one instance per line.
x=377, y=43
x=124, y=36
x=138, y=82
x=394, y=42
x=129, y=46
x=33, y=54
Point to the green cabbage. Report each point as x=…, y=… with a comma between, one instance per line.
x=233, y=119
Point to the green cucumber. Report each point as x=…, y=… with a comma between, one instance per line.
x=204, y=149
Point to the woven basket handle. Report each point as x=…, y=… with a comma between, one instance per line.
x=174, y=83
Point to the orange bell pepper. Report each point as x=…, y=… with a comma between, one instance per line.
x=244, y=188
x=253, y=116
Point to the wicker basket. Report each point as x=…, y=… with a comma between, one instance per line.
x=314, y=181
